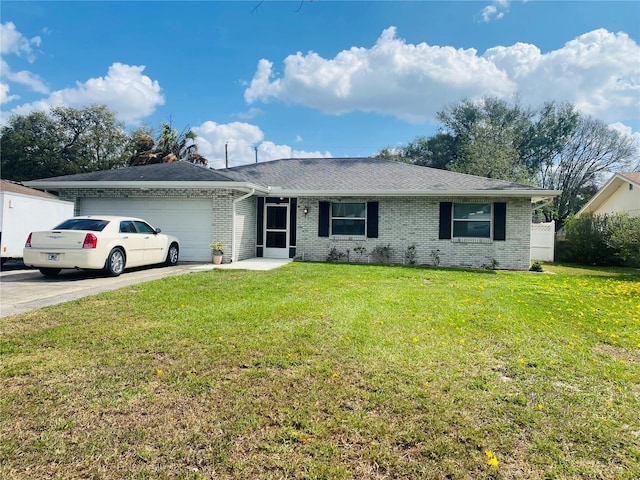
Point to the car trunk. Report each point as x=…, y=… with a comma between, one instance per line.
x=58, y=239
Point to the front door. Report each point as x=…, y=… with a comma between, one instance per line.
x=276, y=230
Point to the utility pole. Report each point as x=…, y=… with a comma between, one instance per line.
x=226, y=155
x=256, y=149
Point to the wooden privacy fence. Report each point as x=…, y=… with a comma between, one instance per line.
x=543, y=241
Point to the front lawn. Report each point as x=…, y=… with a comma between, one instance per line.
x=329, y=371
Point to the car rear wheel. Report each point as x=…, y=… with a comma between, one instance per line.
x=172, y=255
x=49, y=272
x=115, y=262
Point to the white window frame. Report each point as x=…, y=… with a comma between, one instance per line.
x=468, y=220
x=363, y=219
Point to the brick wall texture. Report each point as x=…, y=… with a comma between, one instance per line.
x=403, y=221
x=409, y=221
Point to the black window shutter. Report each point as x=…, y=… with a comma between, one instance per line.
x=500, y=221
x=293, y=215
x=323, y=219
x=445, y=220
x=260, y=222
x=372, y=219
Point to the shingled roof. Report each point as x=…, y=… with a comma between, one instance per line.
x=13, y=187
x=303, y=176
x=175, y=171
x=363, y=175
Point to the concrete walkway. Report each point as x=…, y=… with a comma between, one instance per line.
x=249, y=264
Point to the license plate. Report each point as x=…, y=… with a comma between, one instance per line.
x=52, y=256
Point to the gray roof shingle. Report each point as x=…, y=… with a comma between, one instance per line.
x=361, y=174
x=175, y=171
x=300, y=176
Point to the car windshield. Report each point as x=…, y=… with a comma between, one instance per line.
x=91, y=224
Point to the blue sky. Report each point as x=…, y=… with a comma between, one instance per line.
x=320, y=78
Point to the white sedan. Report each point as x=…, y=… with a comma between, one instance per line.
x=93, y=242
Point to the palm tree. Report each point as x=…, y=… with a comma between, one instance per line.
x=170, y=146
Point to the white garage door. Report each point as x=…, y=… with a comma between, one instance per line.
x=190, y=220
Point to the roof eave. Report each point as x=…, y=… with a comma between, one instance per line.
x=141, y=184
x=535, y=195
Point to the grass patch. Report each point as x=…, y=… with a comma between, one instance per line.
x=338, y=371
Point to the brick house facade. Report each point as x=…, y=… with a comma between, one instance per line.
x=307, y=208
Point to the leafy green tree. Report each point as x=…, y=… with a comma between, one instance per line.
x=500, y=140
x=491, y=154
x=552, y=147
x=62, y=142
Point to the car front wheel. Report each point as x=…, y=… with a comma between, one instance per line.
x=172, y=255
x=115, y=262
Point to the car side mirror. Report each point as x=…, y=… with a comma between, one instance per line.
x=158, y=230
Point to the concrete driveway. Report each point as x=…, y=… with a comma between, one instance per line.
x=24, y=289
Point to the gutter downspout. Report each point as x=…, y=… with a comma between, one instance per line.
x=234, y=253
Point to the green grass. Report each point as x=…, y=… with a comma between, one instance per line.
x=329, y=371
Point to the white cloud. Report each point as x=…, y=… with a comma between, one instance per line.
x=625, y=130
x=4, y=94
x=241, y=140
x=593, y=71
x=408, y=81
x=12, y=41
x=23, y=77
x=495, y=11
x=251, y=113
x=413, y=82
x=130, y=94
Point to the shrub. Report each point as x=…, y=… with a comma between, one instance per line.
x=410, y=254
x=360, y=251
x=492, y=265
x=624, y=238
x=382, y=253
x=601, y=240
x=335, y=255
x=587, y=237
x=536, y=267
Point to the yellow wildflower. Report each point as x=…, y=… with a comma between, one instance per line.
x=492, y=459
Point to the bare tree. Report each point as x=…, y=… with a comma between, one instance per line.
x=593, y=150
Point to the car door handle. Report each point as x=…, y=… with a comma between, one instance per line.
x=124, y=237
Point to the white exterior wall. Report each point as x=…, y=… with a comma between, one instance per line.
x=623, y=200
x=404, y=221
x=23, y=214
x=246, y=228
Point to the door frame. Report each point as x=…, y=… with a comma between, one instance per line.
x=276, y=252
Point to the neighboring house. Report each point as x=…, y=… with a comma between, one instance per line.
x=302, y=208
x=621, y=194
x=23, y=210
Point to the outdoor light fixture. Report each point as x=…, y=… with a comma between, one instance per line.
x=305, y=210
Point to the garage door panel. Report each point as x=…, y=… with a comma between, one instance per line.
x=190, y=220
